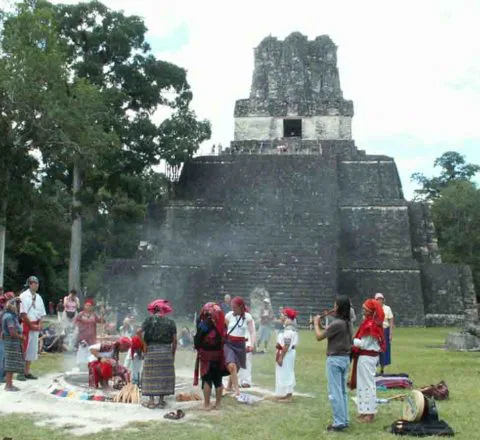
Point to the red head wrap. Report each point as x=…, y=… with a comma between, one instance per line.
x=160, y=307
x=372, y=325
x=238, y=301
x=290, y=313
x=9, y=295
x=89, y=301
x=216, y=313
x=375, y=308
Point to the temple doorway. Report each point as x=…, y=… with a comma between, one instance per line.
x=292, y=128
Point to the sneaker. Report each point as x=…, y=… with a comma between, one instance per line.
x=21, y=377
x=339, y=428
x=30, y=376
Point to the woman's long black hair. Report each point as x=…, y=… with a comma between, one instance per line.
x=343, y=312
x=343, y=307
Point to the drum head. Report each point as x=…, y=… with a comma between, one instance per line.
x=413, y=407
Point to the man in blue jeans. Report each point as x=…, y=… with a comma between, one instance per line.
x=339, y=337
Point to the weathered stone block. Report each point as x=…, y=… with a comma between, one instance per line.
x=460, y=341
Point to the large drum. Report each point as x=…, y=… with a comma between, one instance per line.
x=417, y=407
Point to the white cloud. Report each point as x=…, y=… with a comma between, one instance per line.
x=411, y=67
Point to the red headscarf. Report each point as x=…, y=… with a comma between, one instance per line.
x=290, y=313
x=9, y=295
x=160, y=307
x=217, y=315
x=372, y=325
x=89, y=301
x=238, y=301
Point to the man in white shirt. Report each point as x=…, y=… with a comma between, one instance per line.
x=386, y=356
x=32, y=310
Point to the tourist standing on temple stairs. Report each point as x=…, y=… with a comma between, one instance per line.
x=386, y=356
x=266, y=322
x=368, y=343
x=339, y=345
x=160, y=336
x=287, y=342
x=12, y=337
x=238, y=322
x=32, y=310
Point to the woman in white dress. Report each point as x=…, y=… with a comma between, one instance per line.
x=287, y=341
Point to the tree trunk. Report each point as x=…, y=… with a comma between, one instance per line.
x=76, y=239
x=3, y=224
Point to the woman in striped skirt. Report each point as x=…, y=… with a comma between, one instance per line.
x=160, y=336
x=12, y=336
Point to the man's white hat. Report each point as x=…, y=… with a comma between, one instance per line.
x=379, y=296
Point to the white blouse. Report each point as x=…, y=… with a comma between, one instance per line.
x=240, y=330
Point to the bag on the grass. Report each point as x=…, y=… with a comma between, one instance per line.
x=437, y=392
x=422, y=429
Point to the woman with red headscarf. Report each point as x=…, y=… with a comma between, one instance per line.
x=287, y=340
x=160, y=336
x=368, y=343
x=238, y=323
x=209, y=341
x=104, y=362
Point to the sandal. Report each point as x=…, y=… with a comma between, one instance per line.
x=149, y=405
x=175, y=415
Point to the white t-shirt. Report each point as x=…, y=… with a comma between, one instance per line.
x=241, y=330
x=33, y=308
x=388, y=315
x=106, y=354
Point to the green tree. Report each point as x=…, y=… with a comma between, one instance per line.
x=456, y=214
x=453, y=167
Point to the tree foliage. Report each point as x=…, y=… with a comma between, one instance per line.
x=79, y=87
x=453, y=167
x=455, y=204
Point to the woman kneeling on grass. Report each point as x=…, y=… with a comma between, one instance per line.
x=287, y=340
x=369, y=341
x=104, y=363
x=339, y=337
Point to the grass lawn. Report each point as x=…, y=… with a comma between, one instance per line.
x=305, y=418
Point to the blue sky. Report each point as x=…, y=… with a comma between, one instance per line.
x=412, y=68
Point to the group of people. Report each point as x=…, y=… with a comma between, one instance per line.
x=21, y=324
x=225, y=336
x=364, y=348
